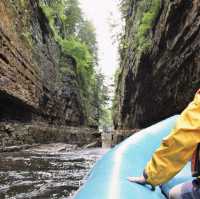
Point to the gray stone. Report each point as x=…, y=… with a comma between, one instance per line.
x=28, y=134
x=160, y=81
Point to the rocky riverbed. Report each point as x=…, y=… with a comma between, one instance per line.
x=47, y=171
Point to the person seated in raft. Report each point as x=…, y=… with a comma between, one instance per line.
x=175, y=151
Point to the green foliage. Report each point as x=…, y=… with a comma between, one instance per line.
x=142, y=20
x=23, y=3
x=51, y=13
x=106, y=119
x=77, y=38
x=87, y=35
x=146, y=22
x=85, y=69
x=78, y=50
x=73, y=17
x=68, y=11
x=100, y=98
x=139, y=17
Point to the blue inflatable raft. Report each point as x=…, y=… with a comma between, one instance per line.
x=108, y=178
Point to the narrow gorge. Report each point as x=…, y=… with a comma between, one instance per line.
x=59, y=113
x=160, y=61
x=49, y=99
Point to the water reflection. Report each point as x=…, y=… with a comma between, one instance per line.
x=45, y=172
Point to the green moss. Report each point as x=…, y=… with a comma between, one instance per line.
x=141, y=23
x=76, y=49
x=76, y=38
x=150, y=11
x=23, y=3
x=72, y=45
x=49, y=12
x=27, y=38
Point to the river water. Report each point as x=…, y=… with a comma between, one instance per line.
x=48, y=171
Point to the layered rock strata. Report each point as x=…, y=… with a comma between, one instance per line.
x=31, y=85
x=161, y=80
x=33, y=90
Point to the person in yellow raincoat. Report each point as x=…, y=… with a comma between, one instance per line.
x=175, y=151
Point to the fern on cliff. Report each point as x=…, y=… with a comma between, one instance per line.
x=78, y=50
x=146, y=22
x=142, y=19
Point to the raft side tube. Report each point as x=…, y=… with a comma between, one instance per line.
x=108, y=178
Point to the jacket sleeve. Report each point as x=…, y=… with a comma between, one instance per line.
x=176, y=149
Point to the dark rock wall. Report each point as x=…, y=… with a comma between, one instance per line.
x=160, y=81
x=32, y=87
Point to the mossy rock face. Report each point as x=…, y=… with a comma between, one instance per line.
x=142, y=21
x=160, y=73
x=47, y=69
x=35, y=88
x=70, y=29
x=22, y=12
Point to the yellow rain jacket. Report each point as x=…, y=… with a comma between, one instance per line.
x=177, y=148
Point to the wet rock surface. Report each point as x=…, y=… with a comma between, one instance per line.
x=46, y=171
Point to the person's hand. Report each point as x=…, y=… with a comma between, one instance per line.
x=140, y=180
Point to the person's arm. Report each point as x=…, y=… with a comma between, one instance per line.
x=176, y=149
